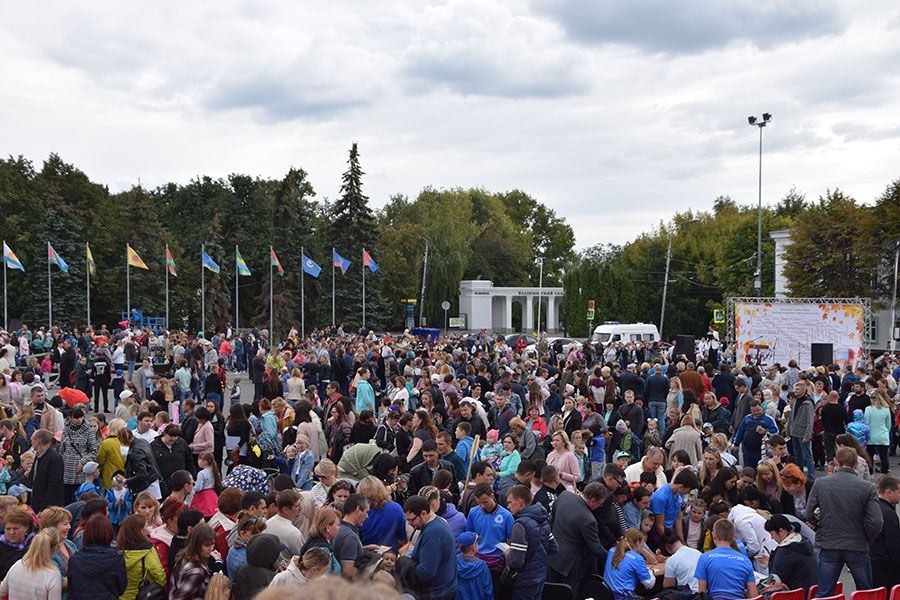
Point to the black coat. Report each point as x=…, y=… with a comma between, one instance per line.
x=421, y=475
x=140, y=466
x=168, y=460
x=46, y=481
x=97, y=573
x=796, y=564
x=885, y=549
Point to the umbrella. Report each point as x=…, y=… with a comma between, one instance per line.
x=73, y=396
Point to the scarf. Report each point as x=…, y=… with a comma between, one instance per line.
x=791, y=538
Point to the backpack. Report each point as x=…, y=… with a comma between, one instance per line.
x=148, y=590
x=771, y=585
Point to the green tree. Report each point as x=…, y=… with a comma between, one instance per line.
x=832, y=253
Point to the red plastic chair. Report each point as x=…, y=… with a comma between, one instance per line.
x=760, y=597
x=838, y=590
x=876, y=594
x=895, y=592
x=798, y=594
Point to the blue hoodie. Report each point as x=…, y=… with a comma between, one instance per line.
x=473, y=579
x=858, y=428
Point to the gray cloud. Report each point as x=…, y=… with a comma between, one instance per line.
x=696, y=26
x=276, y=98
x=853, y=132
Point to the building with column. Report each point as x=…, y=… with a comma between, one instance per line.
x=487, y=307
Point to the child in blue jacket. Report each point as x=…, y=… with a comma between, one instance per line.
x=473, y=579
x=119, y=499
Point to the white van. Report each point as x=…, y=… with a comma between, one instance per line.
x=613, y=331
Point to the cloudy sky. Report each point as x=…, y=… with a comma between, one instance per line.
x=615, y=113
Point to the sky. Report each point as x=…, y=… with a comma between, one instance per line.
x=616, y=114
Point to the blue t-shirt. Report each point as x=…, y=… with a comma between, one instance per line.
x=629, y=573
x=385, y=526
x=726, y=572
x=491, y=528
x=666, y=502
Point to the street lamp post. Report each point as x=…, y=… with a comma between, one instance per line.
x=540, y=262
x=894, y=298
x=662, y=312
x=761, y=123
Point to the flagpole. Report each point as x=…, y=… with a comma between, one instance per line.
x=88, y=271
x=332, y=286
x=166, y=263
x=364, y=294
x=49, y=291
x=237, y=299
x=271, y=279
x=302, y=296
x=5, y=319
x=202, y=293
x=127, y=288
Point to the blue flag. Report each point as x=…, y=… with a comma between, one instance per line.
x=310, y=267
x=208, y=262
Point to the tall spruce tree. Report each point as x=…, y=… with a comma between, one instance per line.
x=353, y=229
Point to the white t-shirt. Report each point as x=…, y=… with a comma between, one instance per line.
x=633, y=474
x=148, y=436
x=681, y=566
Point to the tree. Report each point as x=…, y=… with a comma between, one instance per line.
x=831, y=253
x=353, y=229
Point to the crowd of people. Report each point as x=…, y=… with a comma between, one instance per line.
x=460, y=467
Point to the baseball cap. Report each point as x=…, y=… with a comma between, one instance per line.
x=125, y=394
x=621, y=454
x=466, y=539
x=435, y=378
x=90, y=467
x=17, y=490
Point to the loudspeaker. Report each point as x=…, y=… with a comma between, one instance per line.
x=821, y=354
x=684, y=344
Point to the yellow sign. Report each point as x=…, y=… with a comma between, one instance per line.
x=718, y=316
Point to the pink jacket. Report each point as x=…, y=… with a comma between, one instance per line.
x=204, y=439
x=567, y=465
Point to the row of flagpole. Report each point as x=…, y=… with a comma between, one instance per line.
x=309, y=267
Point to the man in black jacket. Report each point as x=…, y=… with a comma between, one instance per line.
x=66, y=364
x=885, y=549
x=422, y=474
x=46, y=477
x=655, y=392
x=715, y=414
x=172, y=454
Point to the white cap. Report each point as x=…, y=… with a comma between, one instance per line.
x=125, y=394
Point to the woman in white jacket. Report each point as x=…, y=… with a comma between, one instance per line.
x=35, y=576
x=301, y=570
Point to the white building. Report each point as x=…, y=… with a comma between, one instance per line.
x=487, y=307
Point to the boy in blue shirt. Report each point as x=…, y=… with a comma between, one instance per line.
x=665, y=504
x=723, y=571
x=491, y=523
x=473, y=578
x=91, y=472
x=464, y=443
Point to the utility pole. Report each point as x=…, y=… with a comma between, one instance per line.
x=422, y=296
x=662, y=313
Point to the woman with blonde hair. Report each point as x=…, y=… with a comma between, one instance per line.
x=296, y=386
x=313, y=564
x=60, y=519
x=324, y=529
x=878, y=417
x=768, y=479
x=710, y=464
x=109, y=455
x=564, y=460
x=386, y=523
x=626, y=568
x=35, y=576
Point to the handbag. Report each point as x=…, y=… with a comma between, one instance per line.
x=148, y=590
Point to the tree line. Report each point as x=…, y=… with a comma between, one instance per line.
x=841, y=248
x=471, y=233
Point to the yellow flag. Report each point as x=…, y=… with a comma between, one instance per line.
x=134, y=260
x=90, y=261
